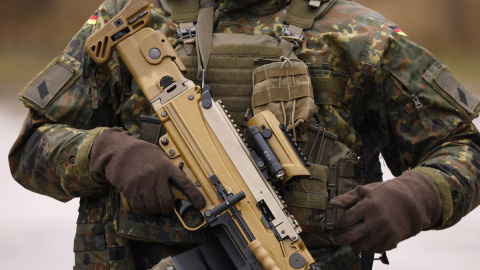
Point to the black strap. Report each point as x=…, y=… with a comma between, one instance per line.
x=372, y=174
x=367, y=260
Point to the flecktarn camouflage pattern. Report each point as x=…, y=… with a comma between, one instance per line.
x=367, y=77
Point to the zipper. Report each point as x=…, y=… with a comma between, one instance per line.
x=421, y=111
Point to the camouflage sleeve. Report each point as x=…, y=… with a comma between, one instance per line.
x=428, y=115
x=70, y=103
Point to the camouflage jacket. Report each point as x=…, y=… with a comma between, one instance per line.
x=409, y=102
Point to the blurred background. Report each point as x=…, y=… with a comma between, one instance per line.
x=37, y=231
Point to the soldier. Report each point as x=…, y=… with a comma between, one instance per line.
x=372, y=87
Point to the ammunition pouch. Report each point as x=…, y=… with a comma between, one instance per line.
x=285, y=88
x=308, y=198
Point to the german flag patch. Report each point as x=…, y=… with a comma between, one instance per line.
x=398, y=30
x=93, y=19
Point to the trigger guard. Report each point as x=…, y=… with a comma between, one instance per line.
x=182, y=206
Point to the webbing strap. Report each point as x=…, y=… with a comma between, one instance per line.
x=301, y=14
x=280, y=72
x=286, y=44
x=305, y=197
x=327, y=85
x=277, y=94
x=184, y=11
x=204, y=34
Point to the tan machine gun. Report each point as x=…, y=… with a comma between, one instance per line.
x=250, y=220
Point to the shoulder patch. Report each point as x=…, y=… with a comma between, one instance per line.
x=44, y=88
x=452, y=87
x=398, y=30
x=93, y=19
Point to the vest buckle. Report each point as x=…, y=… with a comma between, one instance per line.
x=288, y=35
x=187, y=35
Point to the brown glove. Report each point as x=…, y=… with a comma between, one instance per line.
x=380, y=215
x=141, y=171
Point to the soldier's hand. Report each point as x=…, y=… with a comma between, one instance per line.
x=380, y=215
x=141, y=171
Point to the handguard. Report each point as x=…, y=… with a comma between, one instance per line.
x=205, y=143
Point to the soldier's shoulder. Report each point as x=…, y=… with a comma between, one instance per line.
x=110, y=8
x=349, y=11
x=113, y=7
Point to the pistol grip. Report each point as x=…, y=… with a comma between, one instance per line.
x=263, y=256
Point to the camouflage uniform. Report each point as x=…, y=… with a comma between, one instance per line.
x=411, y=105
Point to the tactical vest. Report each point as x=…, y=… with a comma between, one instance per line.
x=229, y=72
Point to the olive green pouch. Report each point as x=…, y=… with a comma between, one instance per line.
x=307, y=199
x=284, y=87
x=344, y=176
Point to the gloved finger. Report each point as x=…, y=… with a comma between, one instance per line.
x=346, y=200
x=357, y=234
x=352, y=216
x=352, y=197
x=165, y=198
x=188, y=188
x=138, y=205
x=152, y=203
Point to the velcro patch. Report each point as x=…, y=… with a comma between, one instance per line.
x=48, y=84
x=451, y=86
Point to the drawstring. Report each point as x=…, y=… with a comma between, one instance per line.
x=285, y=60
x=293, y=120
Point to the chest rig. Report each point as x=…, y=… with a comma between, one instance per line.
x=225, y=60
x=229, y=62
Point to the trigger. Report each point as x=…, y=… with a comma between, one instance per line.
x=182, y=206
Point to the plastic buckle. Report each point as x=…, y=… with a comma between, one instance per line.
x=187, y=35
x=296, y=39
